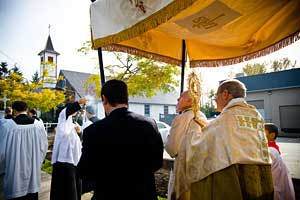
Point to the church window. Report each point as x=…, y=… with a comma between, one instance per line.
x=50, y=59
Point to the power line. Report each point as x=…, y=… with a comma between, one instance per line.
x=10, y=58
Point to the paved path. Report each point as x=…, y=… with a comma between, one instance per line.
x=44, y=193
x=290, y=151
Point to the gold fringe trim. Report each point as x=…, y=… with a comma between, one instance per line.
x=138, y=52
x=141, y=27
x=230, y=61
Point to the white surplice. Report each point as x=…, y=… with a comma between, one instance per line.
x=175, y=140
x=22, y=151
x=67, y=144
x=282, y=181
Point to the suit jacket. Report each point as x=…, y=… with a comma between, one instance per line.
x=122, y=151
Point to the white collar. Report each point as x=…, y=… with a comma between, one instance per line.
x=232, y=101
x=22, y=113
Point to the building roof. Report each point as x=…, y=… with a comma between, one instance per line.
x=272, y=81
x=77, y=80
x=49, y=47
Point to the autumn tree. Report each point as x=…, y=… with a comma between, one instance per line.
x=15, y=88
x=256, y=68
x=144, y=77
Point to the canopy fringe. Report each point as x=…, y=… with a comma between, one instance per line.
x=137, y=52
x=141, y=27
x=230, y=61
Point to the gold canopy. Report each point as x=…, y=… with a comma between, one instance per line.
x=217, y=32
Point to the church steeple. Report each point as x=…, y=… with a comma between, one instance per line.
x=49, y=47
x=48, y=65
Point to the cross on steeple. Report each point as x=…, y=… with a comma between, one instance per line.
x=49, y=28
x=4, y=99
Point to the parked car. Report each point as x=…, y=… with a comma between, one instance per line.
x=164, y=130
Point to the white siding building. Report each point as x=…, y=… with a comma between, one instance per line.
x=153, y=107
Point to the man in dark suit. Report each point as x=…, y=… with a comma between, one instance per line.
x=122, y=150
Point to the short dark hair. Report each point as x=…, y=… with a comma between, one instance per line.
x=115, y=91
x=272, y=128
x=33, y=111
x=235, y=87
x=19, y=106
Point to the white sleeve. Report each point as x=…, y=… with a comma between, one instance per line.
x=43, y=141
x=175, y=137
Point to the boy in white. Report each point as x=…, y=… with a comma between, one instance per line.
x=283, y=185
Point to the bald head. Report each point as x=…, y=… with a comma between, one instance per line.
x=184, y=101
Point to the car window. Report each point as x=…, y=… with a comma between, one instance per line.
x=160, y=125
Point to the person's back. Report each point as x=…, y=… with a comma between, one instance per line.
x=23, y=147
x=229, y=159
x=123, y=151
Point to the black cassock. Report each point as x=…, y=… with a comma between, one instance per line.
x=65, y=183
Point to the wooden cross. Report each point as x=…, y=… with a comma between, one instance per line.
x=4, y=99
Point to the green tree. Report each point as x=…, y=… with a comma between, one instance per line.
x=16, y=70
x=256, y=68
x=3, y=69
x=35, y=78
x=144, y=77
x=282, y=64
x=209, y=108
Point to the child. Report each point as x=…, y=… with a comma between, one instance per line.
x=283, y=186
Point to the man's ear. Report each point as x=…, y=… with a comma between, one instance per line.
x=104, y=100
x=227, y=95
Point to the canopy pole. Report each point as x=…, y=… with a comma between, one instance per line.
x=183, y=56
x=102, y=76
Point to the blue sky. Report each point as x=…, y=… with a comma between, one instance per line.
x=24, y=31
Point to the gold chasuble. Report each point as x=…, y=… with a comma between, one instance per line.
x=229, y=159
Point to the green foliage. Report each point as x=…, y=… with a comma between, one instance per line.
x=282, y=64
x=161, y=198
x=16, y=70
x=35, y=78
x=47, y=167
x=208, y=108
x=3, y=69
x=256, y=68
x=144, y=77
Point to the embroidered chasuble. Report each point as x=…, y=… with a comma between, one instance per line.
x=230, y=154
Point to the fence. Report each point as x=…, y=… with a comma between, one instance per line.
x=50, y=128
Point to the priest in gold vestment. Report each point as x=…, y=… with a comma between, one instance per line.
x=228, y=159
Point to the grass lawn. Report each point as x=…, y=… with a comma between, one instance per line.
x=47, y=167
x=161, y=198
